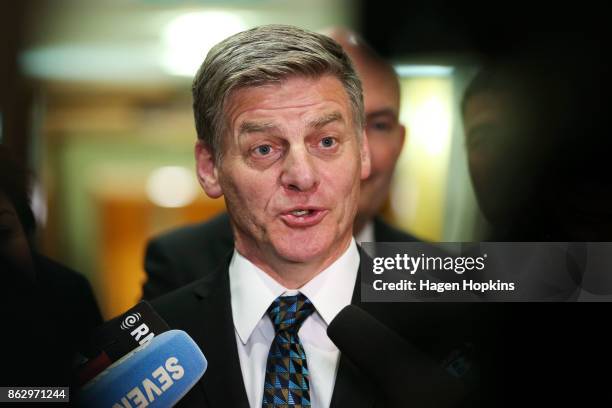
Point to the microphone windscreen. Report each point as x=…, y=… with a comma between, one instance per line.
x=403, y=373
x=156, y=374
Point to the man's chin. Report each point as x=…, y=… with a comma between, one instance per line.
x=299, y=253
x=304, y=249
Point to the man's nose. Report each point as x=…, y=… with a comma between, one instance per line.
x=299, y=172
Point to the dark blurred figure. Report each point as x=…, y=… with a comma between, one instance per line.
x=47, y=309
x=535, y=152
x=539, y=162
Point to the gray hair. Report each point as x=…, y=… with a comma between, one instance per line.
x=260, y=56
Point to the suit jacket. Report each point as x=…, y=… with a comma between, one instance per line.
x=188, y=253
x=203, y=310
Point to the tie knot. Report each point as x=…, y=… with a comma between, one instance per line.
x=289, y=312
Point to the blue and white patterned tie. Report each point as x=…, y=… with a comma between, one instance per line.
x=287, y=379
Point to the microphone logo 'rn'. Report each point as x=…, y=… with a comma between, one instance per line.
x=130, y=321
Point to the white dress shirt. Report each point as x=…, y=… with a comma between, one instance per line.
x=252, y=292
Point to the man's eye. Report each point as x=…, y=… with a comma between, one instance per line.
x=263, y=150
x=380, y=126
x=328, y=142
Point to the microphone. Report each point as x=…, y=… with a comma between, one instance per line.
x=117, y=337
x=402, y=373
x=124, y=333
x=157, y=374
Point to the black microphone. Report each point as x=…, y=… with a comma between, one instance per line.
x=124, y=333
x=403, y=374
x=119, y=336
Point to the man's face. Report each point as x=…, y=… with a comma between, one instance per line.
x=509, y=156
x=502, y=154
x=384, y=132
x=291, y=169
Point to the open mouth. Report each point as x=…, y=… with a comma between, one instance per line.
x=301, y=213
x=303, y=217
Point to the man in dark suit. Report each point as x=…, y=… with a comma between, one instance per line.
x=280, y=122
x=185, y=254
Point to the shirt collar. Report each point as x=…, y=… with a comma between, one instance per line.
x=252, y=290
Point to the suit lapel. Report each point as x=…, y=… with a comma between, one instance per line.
x=351, y=388
x=222, y=383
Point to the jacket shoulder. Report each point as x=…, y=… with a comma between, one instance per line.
x=185, y=254
x=180, y=307
x=384, y=232
x=214, y=230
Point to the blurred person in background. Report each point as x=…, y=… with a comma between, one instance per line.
x=183, y=255
x=505, y=141
x=386, y=136
x=539, y=165
x=535, y=156
x=48, y=310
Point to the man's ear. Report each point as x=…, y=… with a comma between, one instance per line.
x=404, y=135
x=207, y=170
x=365, y=157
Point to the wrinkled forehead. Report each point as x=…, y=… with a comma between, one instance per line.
x=313, y=100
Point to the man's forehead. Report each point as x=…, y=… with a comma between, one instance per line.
x=315, y=121
x=387, y=112
x=380, y=91
x=311, y=100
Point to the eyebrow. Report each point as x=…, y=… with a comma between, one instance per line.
x=325, y=120
x=262, y=127
x=255, y=127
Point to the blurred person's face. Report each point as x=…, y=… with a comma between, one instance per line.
x=503, y=156
x=385, y=135
x=14, y=246
x=291, y=170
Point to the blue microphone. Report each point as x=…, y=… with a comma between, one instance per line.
x=157, y=374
